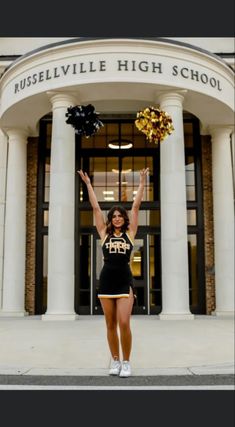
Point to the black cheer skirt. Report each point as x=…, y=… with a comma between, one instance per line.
x=115, y=281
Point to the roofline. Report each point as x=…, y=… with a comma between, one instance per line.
x=84, y=39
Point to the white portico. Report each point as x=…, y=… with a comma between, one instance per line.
x=120, y=75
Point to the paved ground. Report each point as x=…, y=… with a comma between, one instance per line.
x=196, y=352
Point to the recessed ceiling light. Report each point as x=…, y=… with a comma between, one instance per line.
x=122, y=147
x=108, y=198
x=137, y=259
x=122, y=144
x=123, y=171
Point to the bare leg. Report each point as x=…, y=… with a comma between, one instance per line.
x=124, y=308
x=109, y=309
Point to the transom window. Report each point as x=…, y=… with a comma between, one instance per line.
x=117, y=179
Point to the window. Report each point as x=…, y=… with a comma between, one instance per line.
x=117, y=179
x=190, y=178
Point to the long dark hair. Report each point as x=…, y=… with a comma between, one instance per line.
x=109, y=226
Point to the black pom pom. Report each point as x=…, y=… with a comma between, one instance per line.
x=84, y=119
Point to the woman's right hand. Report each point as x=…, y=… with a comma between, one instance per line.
x=84, y=177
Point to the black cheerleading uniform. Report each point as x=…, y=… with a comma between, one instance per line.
x=115, y=276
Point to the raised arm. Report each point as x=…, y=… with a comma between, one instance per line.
x=99, y=219
x=136, y=203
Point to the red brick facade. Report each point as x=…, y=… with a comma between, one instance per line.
x=31, y=205
x=208, y=223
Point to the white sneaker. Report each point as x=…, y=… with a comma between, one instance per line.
x=126, y=369
x=115, y=367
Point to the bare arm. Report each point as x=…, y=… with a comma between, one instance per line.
x=99, y=219
x=136, y=203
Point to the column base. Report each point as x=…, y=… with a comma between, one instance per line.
x=13, y=313
x=223, y=313
x=58, y=316
x=176, y=316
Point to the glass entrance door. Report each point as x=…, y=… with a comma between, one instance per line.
x=145, y=266
x=138, y=265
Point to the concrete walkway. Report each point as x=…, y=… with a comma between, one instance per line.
x=30, y=346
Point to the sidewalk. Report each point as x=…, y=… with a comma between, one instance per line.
x=30, y=346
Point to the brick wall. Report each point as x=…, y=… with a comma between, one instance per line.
x=208, y=223
x=31, y=204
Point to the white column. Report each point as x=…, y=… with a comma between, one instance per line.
x=3, y=173
x=13, y=300
x=223, y=206
x=233, y=160
x=175, y=278
x=60, y=287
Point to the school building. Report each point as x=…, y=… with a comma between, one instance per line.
x=50, y=252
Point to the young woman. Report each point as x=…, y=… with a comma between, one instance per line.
x=116, y=286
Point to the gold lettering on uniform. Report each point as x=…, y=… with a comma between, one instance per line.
x=117, y=246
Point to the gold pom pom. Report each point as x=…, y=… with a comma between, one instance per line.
x=156, y=124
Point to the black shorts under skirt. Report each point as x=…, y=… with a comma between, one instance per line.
x=115, y=281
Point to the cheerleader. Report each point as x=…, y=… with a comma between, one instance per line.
x=116, y=292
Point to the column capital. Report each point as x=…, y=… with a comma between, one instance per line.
x=3, y=132
x=17, y=133
x=172, y=97
x=61, y=99
x=219, y=130
x=204, y=130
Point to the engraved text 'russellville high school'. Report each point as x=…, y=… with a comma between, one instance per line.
x=122, y=66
